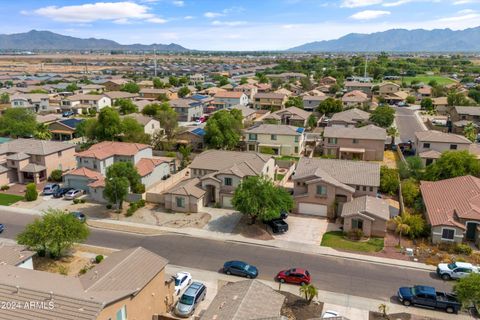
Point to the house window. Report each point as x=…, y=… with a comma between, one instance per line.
x=355, y=141
x=426, y=145
x=357, y=188
x=273, y=137
x=357, y=224
x=332, y=140
x=296, y=139
x=453, y=147
x=448, y=234
x=252, y=136
x=180, y=202
x=321, y=190
x=228, y=181
x=296, y=149
x=122, y=313
x=59, y=153
x=364, y=188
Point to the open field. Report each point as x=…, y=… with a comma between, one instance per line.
x=426, y=79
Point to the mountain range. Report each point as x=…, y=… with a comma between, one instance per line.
x=46, y=40
x=400, y=40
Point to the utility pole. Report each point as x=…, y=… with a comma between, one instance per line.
x=155, y=62
x=365, y=72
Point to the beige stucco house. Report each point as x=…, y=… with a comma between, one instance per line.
x=269, y=101
x=282, y=139
x=368, y=214
x=429, y=145
x=349, y=118
x=292, y=116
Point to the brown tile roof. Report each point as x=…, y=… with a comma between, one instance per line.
x=437, y=136
x=294, y=112
x=120, y=95
x=355, y=96
x=108, y=149
x=14, y=254
x=218, y=160
x=351, y=115
x=269, y=95
x=146, y=165
x=140, y=118
x=370, y=132
x=367, y=205
x=85, y=172
x=471, y=111
x=188, y=187
x=33, y=146
x=92, y=97
x=274, y=129
x=445, y=199
x=229, y=94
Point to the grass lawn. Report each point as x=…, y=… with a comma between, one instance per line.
x=9, y=199
x=336, y=240
x=426, y=79
x=279, y=176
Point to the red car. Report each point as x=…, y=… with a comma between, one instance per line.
x=294, y=275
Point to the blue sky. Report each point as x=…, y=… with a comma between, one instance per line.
x=232, y=25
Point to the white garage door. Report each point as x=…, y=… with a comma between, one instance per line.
x=227, y=202
x=313, y=209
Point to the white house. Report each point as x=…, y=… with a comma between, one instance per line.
x=82, y=103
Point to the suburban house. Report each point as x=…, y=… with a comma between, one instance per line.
x=395, y=97
x=188, y=110
x=321, y=187
x=462, y=116
x=281, y=139
x=16, y=255
x=150, y=125
x=351, y=143
x=292, y=116
x=30, y=160
x=34, y=102
x=424, y=92
x=368, y=214
x=452, y=209
x=193, y=136
x=355, y=99
x=440, y=104
x=154, y=94
x=197, y=78
x=103, y=292
x=214, y=176
x=205, y=100
x=117, y=95
x=269, y=101
x=263, y=87
x=228, y=99
x=114, y=84
x=248, y=114
x=349, y=118
x=249, y=89
x=82, y=103
x=429, y=145
x=91, y=88
x=365, y=87
x=328, y=81
x=247, y=299
x=64, y=129
x=311, y=103
x=387, y=88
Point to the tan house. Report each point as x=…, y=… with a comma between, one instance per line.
x=368, y=214
x=193, y=136
x=322, y=186
x=154, y=94
x=440, y=104
x=365, y=87
x=129, y=283
x=311, y=102
x=387, y=88
x=452, y=209
x=269, y=101
x=349, y=118
x=355, y=99
x=292, y=116
x=114, y=84
x=351, y=143
x=117, y=95
x=429, y=145
x=150, y=125
x=249, y=89
x=281, y=139
x=462, y=116
x=186, y=196
x=82, y=103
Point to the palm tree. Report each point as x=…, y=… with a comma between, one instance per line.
x=309, y=291
x=392, y=132
x=42, y=132
x=185, y=151
x=402, y=227
x=312, y=122
x=470, y=132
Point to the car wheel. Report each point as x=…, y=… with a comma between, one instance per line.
x=249, y=276
x=228, y=272
x=406, y=303
x=282, y=280
x=446, y=277
x=449, y=310
x=303, y=283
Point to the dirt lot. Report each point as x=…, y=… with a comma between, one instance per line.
x=390, y=159
x=297, y=308
x=69, y=265
x=257, y=231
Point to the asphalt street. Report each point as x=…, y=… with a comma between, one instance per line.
x=330, y=274
x=407, y=124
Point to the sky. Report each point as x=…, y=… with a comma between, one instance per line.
x=232, y=25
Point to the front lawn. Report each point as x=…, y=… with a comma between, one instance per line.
x=9, y=199
x=336, y=240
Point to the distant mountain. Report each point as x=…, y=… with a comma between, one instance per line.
x=46, y=40
x=400, y=40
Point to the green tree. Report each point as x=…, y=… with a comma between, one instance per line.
x=4, y=98
x=116, y=190
x=392, y=132
x=457, y=99
x=173, y=81
x=131, y=87
x=109, y=125
x=259, y=198
x=294, y=102
x=389, y=181
x=183, y=92
x=56, y=175
x=416, y=225
x=472, y=93
x=401, y=227
x=243, y=80
x=126, y=106
x=410, y=191
x=158, y=84
x=18, y=123
x=126, y=170
x=72, y=87
x=168, y=119
x=412, y=167
x=133, y=131
x=410, y=100
x=185, y=151
x=87, y=128
x=468, y=290
x=309, y=291
x=470, y=132
x=151, y=110
x=223, y=81
x=55, y=233
x=312, y=121
x=262, y=78
x=329, y=106
x=453, y=164
x=31, y=193
x=42, y=132
x=427, y=104
x=223, y=129
x=383, y=117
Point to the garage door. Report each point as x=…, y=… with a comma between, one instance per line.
x=227, y=202
x=313, y=209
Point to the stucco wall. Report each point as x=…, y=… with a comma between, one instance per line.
x=437, y=235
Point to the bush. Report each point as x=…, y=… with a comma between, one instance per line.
x=388, y=180
x=76, y=201
x=417, y=225
x=56, y=176
x=98, y=258
x=410, y=192
x=138, y=188
x=141, y=203
x=462, y=249
x=131, y=209
x=171, y=154
x=355, y=234
x=109, y=206
x=4, y=187
x=31, y=193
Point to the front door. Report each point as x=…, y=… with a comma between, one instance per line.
x=471, y=231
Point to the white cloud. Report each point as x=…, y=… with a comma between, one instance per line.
x=118, y=12
x=188, y=17
x=460, y=2
x=369, y=14
x=396, y=3
x=178, y=3
x=228, y=23
x=212, y=15
x=359, y=3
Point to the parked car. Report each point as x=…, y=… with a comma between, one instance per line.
x=284, y=215
x=456, y=270
x=188, y=302
x=50, y=188
x=72, y=194
x=294, y=275
x=278, y=225
x=2, y=227
x=61, y=192
x=182, y=280
x=428, y=297
x=79, y=215
x=67, y=114
x=240, y=268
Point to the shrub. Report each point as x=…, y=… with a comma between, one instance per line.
x=109, y=206
x=410, y=192
x=417, y=225
x=56, y=176
x=138, y=188
x=388, y=180
x=141, y=203
x=462, y=248
x=171, y=154
x=4, y=187
x=131, y=209
x=82, y=200
x=31, y=193
x=98, y=258
x=76, y=201
x=63, y=270
x=355, y=234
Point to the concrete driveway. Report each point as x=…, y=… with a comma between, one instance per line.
x=44, y=203
x=222, y=220
x=306, y=229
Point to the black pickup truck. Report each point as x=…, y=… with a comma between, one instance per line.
x=425, y=296
x=278, y=225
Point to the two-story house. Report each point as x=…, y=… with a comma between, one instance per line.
x=215, y=174
x=30, y=160
x=82, y=103
x=205, y=100
x=355, y=99
x=249, y=89
x=349, y=118
x=34, y=102
x=322, y=186
x=429, y=145
x=150, y=125
x=365, y=87
x=269, y=101
x=187, y=109
x=387, y=88
x=364, y=143
x=117, y=95
x=228, y=99
x=114, y=84
x=462, y=116
x=292, y=116
x=279, y=139
x=311, y=103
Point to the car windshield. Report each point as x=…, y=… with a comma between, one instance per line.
x=452, y=266
x=307, y=273
x=177, y=281
x=248, y=267
x=186, y=300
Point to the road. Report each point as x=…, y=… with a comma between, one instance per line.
x=330, y=274
x=407, y=123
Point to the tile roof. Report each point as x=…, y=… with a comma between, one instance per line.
x=472, y=111
x=229, y=94
x=245, y=300
x=446, y=199
x=14, y=254
x=346, y=172
x=438, y=136
x=92, y=97
x=120, y=95
x=265, y=128
x=85, y=172
x=355, y=96
x=294, y=112
x=219, y=160
x=370, y=132
x=140, y=118
x=17, y=156
x=146, y=166
x=107, y=149
x=351, y=115
x=188, y=187
x=32, y=167
x=269, y=95
x=33, y=146
x=370, y=206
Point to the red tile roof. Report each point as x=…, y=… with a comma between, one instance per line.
x=147, y=165
x=85, y=172
x=229, y=94
x=107, y=149
x=450, y=199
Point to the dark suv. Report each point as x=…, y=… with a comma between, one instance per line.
x=278, y=225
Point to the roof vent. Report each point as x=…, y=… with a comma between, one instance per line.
x=18, y=289
x=51, y=295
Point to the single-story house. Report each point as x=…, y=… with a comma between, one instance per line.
x=368, y=214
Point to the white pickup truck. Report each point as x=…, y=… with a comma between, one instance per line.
x=455, y=270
